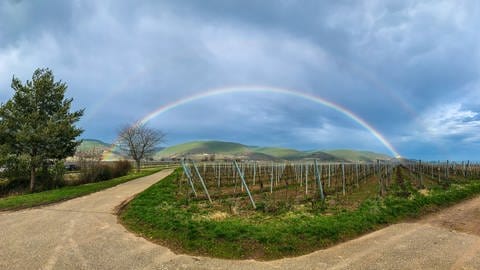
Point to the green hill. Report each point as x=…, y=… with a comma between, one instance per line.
x=91, y=144
x=230, y=150
x=284, y=153
x=203, y=147
x=208, y=149
x=292, y=154
x=322, y=156
x=352, y=155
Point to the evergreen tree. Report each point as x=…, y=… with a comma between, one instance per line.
x=37, y=122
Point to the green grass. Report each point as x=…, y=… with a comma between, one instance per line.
x=159, y=215
x=280, y=152
x=65, y=193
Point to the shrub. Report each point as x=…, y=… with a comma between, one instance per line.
x=17, y=175
x=105, y=172
x=95, y=171
x=121, y=168
x=90, y=165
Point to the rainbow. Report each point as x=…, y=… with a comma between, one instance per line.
x=268, y=89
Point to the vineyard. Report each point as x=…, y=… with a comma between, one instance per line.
x=268, y=210
x=239, y=187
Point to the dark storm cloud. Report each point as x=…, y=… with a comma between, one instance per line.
x=26, y=19
x=409, y=68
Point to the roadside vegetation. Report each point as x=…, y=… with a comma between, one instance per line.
x=188, y=225
x=69, y=192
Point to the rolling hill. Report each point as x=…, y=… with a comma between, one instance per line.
x=230, y=150
x=89, y=144
x=200, y=147
x=353, y=155
x=106, y=148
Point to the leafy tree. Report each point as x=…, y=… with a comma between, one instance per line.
x=139, y=141
x=37, y=122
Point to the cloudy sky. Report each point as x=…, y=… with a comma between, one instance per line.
x=410, y=69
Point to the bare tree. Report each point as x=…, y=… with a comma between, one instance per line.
x=139, y=141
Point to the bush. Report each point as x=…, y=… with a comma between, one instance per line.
x=105, y=172
x=121, y=168
x=17, y=175
x=100, y=171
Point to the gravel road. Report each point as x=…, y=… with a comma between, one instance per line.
x=83, y=233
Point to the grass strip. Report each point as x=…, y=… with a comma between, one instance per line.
x=65, y=193
x=159, y=216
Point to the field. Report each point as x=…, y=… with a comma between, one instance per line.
x=272, y=187
x=241, y=187
x=288, y=213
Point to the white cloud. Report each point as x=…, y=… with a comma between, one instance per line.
x=451, y=120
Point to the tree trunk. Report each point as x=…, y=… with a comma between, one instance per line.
x=137, y=162
x=32, y=178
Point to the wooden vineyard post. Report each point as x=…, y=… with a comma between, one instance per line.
x=219, y=175
x=329, y=175
x=467, y=168
x=356, y=173
x=387, y=173
x=271, y=180
x=364, y=173
x=432, y=169
x=421, y=174
x=254, y=172
x=277, y=175
x=439, y=171
x=301, y=175
x=201, y=180
x=446, y=171
x=245, y=184
x=242, y=172
x=189, y=177
x=380, y=178
x=343, y=180
x=306, y=179
x=318, y=175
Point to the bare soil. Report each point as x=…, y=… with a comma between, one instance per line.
x=464, y=217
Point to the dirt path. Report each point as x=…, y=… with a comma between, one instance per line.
x=83, y=233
